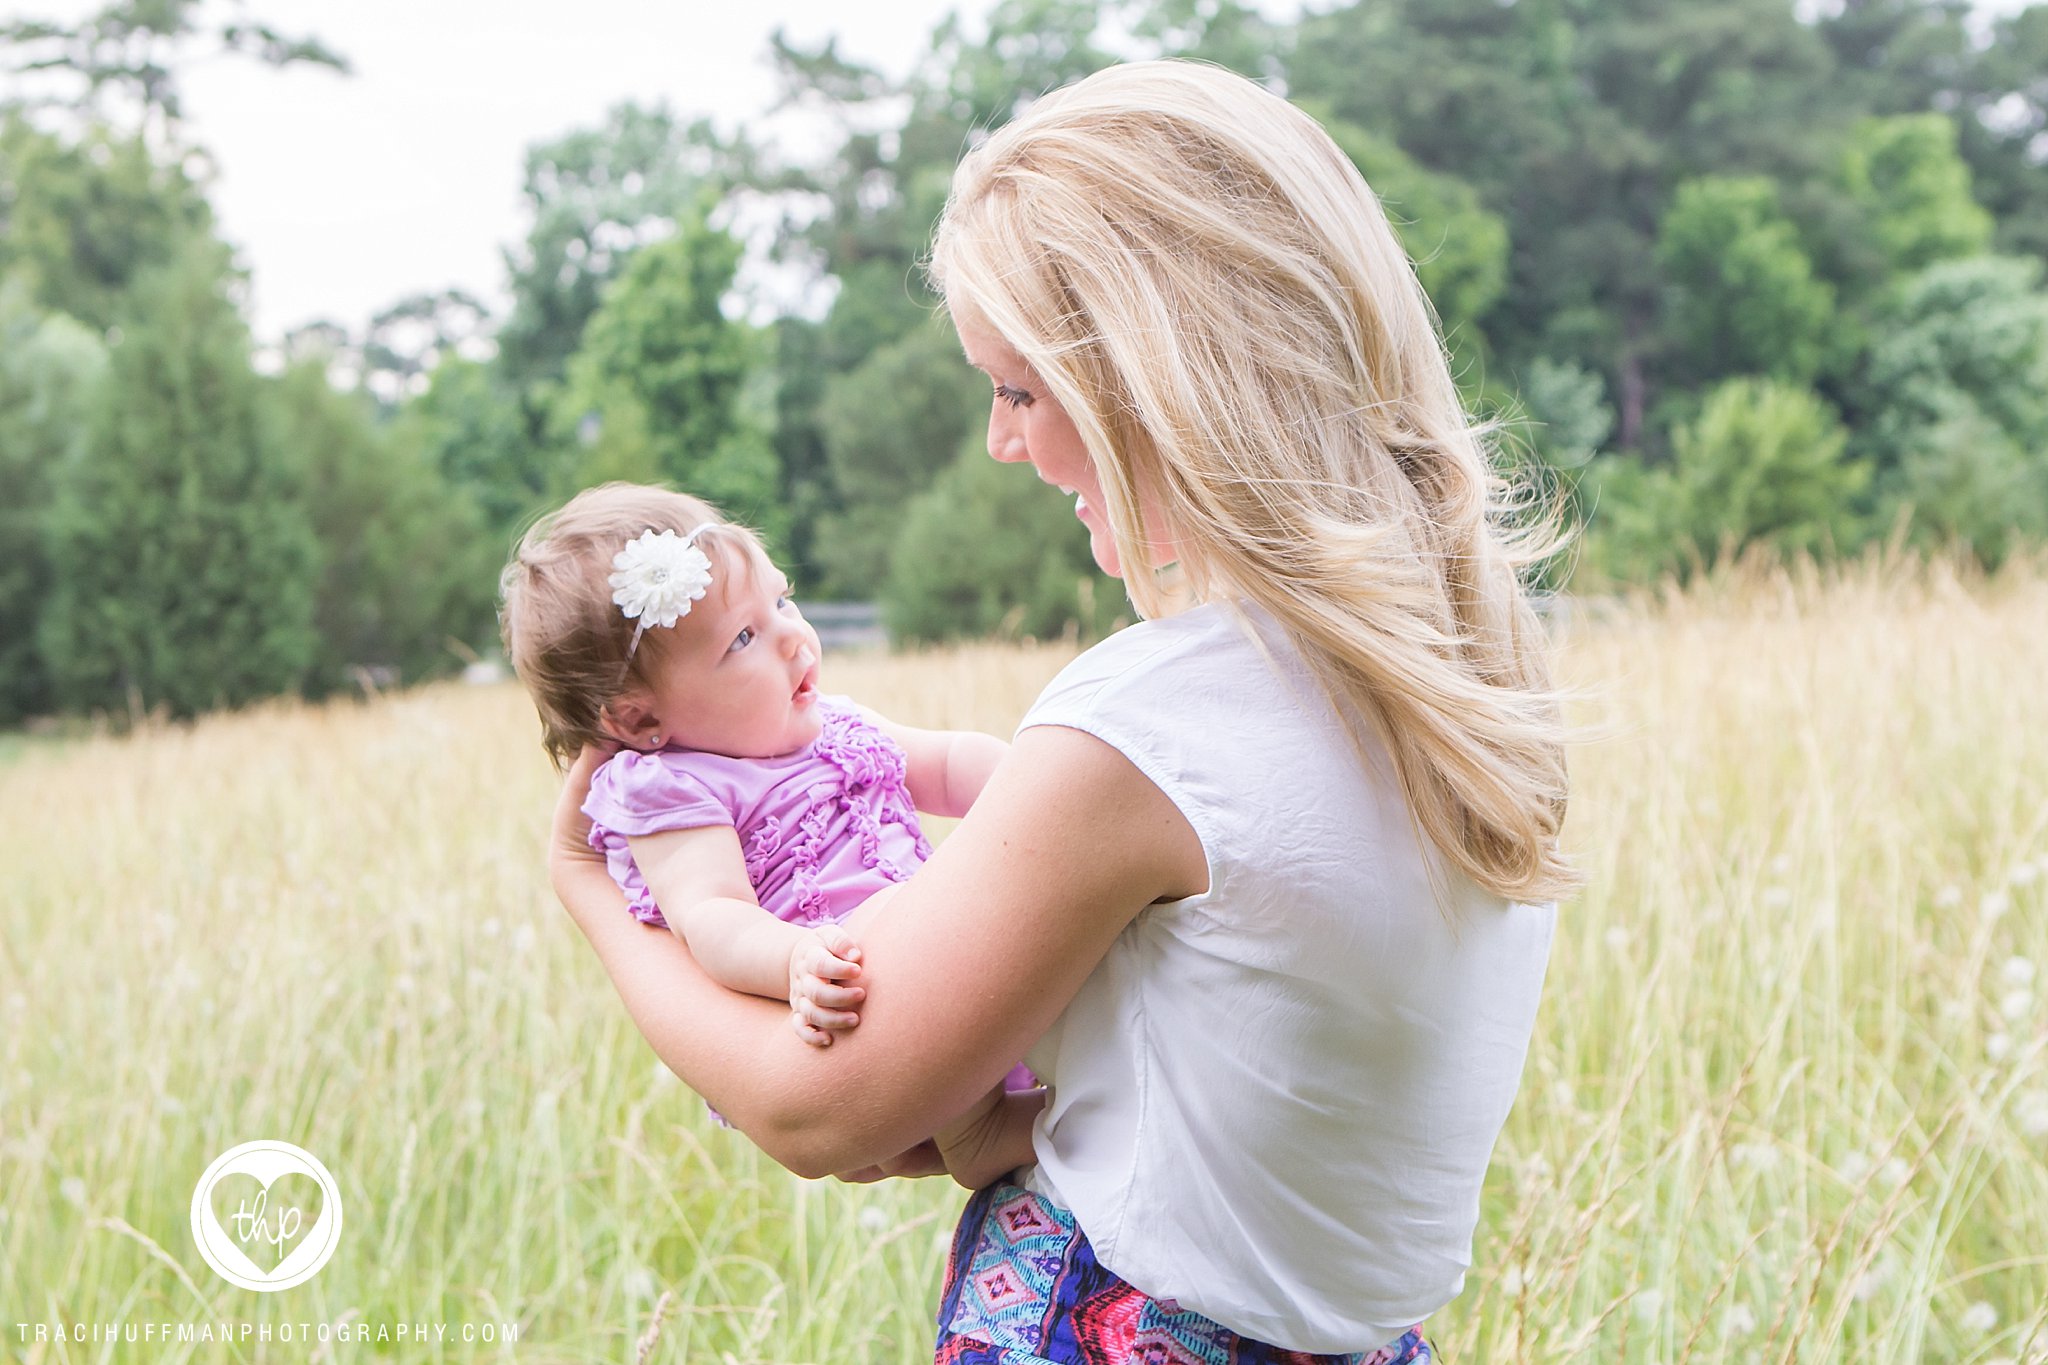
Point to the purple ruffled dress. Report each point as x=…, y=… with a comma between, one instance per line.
x=822, y=829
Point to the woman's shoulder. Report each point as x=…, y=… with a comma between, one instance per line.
x=1217, y=651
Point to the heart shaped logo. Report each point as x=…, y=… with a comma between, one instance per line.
x=266, y=1215
x=267, y=1222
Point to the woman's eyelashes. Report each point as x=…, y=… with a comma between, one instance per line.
x=1016, y=398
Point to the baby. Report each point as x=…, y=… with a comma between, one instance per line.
x=639, y=618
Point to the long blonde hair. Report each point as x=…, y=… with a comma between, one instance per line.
x=1209, y=289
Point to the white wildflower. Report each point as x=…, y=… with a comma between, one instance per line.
x=1948, y=898
x=1781, y=864
x=1515, y=1279
x=2016, y=1005
x=2030, y=1111
x=1895, y=1172
x=657, y=577
x=873, y=1221
x=490, y=928
x=640, y=1283
x=1979, y=1318
x=523, y=938
x=2017, y=972
x=1563, y=1095
x=1854, y=1167
x=2026, y=874
x=1998, y=1046
x=1870, y=1283
x=1739, y=1321
x=1761, y=1156
x=1776, y=897
x=661, y=1075
x=1616, y=939
x=403, y=983
x=1648, y=1304
x=1994, y=906
x=73, y=1190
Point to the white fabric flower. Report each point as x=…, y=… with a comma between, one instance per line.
x=657, y=577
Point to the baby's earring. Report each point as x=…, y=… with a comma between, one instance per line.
x=654, y=740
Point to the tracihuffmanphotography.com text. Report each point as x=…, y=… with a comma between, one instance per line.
x=225, y=1331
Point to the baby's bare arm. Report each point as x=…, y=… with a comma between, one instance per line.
x=699, y=879
x=947, y=768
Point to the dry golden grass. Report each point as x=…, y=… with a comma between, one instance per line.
x=1788, y=1100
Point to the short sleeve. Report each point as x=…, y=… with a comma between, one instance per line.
x=635, y=794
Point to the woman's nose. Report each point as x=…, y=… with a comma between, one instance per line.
x=1005, y=443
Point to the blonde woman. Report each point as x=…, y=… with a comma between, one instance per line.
x=1262, y=889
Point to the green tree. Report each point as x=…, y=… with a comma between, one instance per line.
x=184, y=561
x=1958, y=380
x=890, y=425
x=987, y=551
x=469, y=428
x=1899, y=200
x=1763, y=463
x=596, y=197
x=79, y=220
x=50, y=366
x=1574, y=120
x=406, y=563
x=661, y=386
x=1743, y=298
x=128, y=55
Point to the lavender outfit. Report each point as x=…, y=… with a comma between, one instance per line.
x=822, y=829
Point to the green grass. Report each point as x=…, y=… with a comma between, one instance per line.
x=1788, y=1100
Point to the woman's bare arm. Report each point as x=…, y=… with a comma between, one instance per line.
x=976, y=956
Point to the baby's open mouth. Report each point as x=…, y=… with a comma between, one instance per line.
x=808, y=688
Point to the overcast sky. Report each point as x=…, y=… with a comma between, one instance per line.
x=346, y=193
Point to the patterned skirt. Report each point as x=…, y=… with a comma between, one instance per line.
x=1023, y=1287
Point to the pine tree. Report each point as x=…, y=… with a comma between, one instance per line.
x=184, y=559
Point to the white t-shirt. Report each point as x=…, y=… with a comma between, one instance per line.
x=1275, y=1102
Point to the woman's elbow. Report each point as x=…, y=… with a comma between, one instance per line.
x=810, y=1149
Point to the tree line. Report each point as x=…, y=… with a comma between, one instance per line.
x=1722, y=275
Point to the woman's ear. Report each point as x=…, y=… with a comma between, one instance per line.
x=631, y=721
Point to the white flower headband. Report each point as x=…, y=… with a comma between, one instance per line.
x=657, y=577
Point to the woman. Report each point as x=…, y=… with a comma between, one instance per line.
x=1252, y=891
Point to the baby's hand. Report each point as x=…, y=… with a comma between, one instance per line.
x=819, y=1000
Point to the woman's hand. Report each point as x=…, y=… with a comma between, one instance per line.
x=569, y=837
x=921, y=1160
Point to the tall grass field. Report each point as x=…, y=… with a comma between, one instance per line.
x=1787, y=1101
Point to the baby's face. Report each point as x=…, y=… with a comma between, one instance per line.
x=739, y=675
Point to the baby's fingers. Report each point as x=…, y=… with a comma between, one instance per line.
x=817, y=1016
x=843, y=945
x=833, y=997
x=816, y=1037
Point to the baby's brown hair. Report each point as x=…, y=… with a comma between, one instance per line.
x=567, y=640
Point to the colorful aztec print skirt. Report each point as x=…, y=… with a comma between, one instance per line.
x=1023, y=1287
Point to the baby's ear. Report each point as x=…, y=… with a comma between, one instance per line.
x=628, y=719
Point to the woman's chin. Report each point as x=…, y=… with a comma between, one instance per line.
x=1102, y=545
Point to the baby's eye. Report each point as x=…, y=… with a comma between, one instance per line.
x=787, y=599
x=741, y=640
x=1016, y=398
